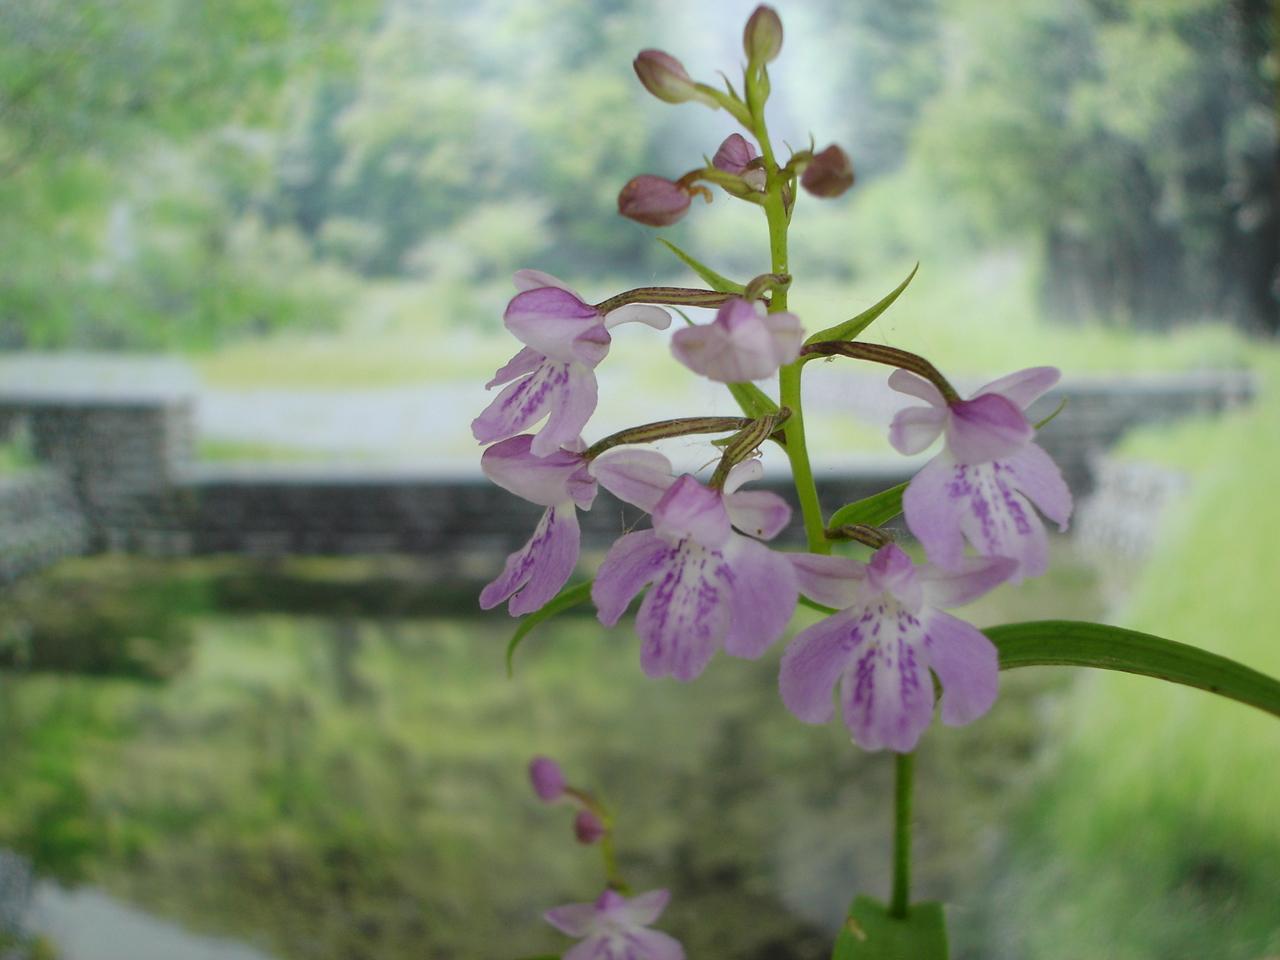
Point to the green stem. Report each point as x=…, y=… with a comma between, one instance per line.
x=789, y=376
x=613, y=878
x=904, y=770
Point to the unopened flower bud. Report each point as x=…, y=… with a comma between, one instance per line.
x=734, y=156
x=828, y=174
x=762, y=36
x=587, y=827
x=653, y=200
x=547, y=779
x=665, y=77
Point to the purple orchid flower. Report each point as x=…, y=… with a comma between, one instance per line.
x=981, y=486
x=742, y=343
x=564, y=483
x=886, y=637
x=554, y=375
x=712, y=586
x=617, y=927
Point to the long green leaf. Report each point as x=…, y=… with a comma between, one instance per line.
x=875, y=510
x=851, y=328
x=562, y=601
x=1074, y=643
x=871, y=934
x=712, y=279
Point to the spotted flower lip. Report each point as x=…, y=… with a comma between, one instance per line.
x=741, y=343
x=711, y=585
x=888, y=633
x=564, y=483
x=615, y=927
x=554, y=375
x=982, y=485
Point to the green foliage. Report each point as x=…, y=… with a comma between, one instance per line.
x=1078, y=644
x=566, y=599
x=871, y=933
x=874, y=511
x=850, y=329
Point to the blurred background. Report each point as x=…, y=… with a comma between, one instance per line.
x=253, y=261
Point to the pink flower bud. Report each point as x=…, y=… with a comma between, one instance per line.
x=828, y=174
x=665, y=77
x=652, y=200
x=547, y=779
x=734, y=154
x=587, y=827
x=762, y=36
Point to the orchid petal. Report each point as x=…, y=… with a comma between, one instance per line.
x=1038, y=477
x=965, y=581
x=572, y=399
x=886, y=693
x=814, y=662
x=533, y=279
x=543, y=480
x=762, y=597
x=998, y=520
x=524, y=362
x=742, y=473
x=986, y=428
x=683, y=618
x=591, y=346
x=638, y=477
x=631, y=564
x=830, y=581
x=575, y=919
x=654, y=945
x=915, y=428
x=690, y=510
x=966, y=663
x=933, y=506
x=758, y=513
x=1023, y=387
x=550, y=319
x=645, y=313
x=742, y=343
x=914, y=385
x=536, y=572
x=521, y=404
x=891, y=571
x=644, y=908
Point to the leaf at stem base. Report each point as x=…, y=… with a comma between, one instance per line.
x=870, y=933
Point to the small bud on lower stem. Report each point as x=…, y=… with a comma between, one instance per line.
x=587, y=827
x=547, y=779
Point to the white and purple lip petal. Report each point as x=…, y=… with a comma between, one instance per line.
x=615, y=927
x=560, y=482
x=710, y=586
x=553, y=375
x=982, y=486
x=878, y=650
x=742, y=343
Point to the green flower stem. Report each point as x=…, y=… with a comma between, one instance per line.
x=613, y=878
x=904, y=776
x=789, y=376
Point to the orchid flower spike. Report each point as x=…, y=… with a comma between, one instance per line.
x=888, y=634
x=981, y=486
x=554, y=375
x=617, y=928
x=712, y=586
x=563, y=482
x=741, y=343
